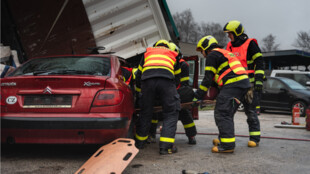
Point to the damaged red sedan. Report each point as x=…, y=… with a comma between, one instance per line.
x=80, y=99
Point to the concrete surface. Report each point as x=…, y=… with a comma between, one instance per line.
x=272, y=156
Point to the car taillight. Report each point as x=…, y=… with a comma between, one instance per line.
x=108, y=97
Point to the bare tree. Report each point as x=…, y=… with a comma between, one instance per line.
x=303, y=41
x=187, y=27
x=269, y=43
x=216, y=30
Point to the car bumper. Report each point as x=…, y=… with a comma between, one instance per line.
x=63, y=130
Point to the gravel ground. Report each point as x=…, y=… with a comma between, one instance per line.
x=272, y=156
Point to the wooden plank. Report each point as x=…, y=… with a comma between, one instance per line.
x=183, y=105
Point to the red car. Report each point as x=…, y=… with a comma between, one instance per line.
x=80, y=99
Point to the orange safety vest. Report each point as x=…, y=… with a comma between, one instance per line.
x=159, y=57
x=234, y=64
x=129, y=79
x=241, y=52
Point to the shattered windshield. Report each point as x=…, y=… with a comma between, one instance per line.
x=99, y=66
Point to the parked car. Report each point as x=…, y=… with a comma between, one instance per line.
x=80, y=99
x=282, y=93
x=302, y=77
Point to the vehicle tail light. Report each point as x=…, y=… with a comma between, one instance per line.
x=108, y=97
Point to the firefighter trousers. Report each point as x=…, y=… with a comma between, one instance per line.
x=166, y=91
x=252, y=118
x=186, y=118
x=227, y=103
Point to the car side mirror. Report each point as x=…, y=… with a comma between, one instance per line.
x=308, y=83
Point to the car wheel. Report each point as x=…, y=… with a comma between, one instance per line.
x=241, y=107
x=302, y=106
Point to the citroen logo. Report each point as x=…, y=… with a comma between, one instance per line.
x=47, y=90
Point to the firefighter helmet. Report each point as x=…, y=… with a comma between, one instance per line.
x=174, y=47
x=206, y=42
x=162, y=43
x=235, y=27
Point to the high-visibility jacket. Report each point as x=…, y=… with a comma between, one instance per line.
x=234, y=64
x=159, y=58
x=225, y=69
x=241, y=53
x=127, y=74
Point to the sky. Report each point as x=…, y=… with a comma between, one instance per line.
x=281, y=18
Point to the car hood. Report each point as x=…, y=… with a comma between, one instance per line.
x=65, y=94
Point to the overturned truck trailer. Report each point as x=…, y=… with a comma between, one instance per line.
x=43, y=28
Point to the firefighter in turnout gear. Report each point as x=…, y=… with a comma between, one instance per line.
x=185, y=115
x=226, y=70
x=156, y=78
x=247, y=51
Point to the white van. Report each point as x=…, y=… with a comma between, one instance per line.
x=302, y=77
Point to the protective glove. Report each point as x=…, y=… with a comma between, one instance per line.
x=195, y=102
x=258, y=87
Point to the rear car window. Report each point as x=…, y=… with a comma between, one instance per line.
x=84, y=65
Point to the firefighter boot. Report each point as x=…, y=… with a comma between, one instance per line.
x=216, y=142
x=191, y=140
x=171, y=150
x=253, y=144
x=219, y=149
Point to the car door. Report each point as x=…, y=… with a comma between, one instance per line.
x=274, y=95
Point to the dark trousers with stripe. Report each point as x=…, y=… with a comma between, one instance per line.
x=188, y=122
x=186, y=118
x=252, y=120
x=225, y=109
x=165, y=89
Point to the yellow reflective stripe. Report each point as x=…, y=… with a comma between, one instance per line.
x=239, y=69
x=154, y=121
x=124, y=79
x=210, y=68
x=138, y=89
x=161, y=62
x=177, y=71
x=259, y=72
x=252, y=79
x=259, y=83
x=184, y=79
x=161, y=56
x=228, y=140
x=255, y=133
x=203, y=88
x=249, y=62
x=257, y=107
x=256, y=56
x=236, y=79
x=141, y=138
x=189, y=125
x=140, y=68
x=157, y=67
x=222, y=66
x=166, y=139
x=234, y=63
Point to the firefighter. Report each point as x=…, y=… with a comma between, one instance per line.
x=247, y=51
x=226, y=70
x=156, y=77
x=185, y=115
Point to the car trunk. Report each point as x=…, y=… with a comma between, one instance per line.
x=50, y=94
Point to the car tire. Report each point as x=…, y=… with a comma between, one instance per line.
x=241, y=107
x=302, y=106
